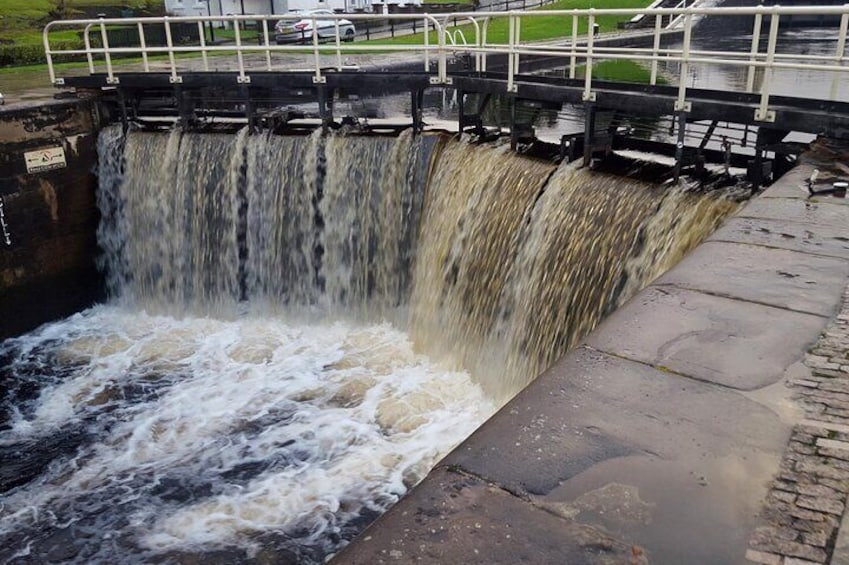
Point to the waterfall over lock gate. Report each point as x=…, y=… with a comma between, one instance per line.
x=299, y=328
x=495, y=261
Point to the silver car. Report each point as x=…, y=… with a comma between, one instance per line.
x=297, y=27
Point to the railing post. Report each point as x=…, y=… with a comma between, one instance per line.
x=517, y=45
x=87, y=43
x=681, y=104
x=477, y=27
x=589, y=95
x=174, y=79
x=110, y=76
x=426, y=43
x=484, y=32
x=839, y=52
x=267, y=38
x=202, y=36
x=763, y=114
x=240, y=57
x=658, y=20
x=753, y=57
x=317, y=79
x=573, y=59
x=45, y=39
x=143, y=45
x=443, y=61
x=338, y=46
x=511, y=41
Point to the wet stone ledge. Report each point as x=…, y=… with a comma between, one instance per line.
x=807, y=500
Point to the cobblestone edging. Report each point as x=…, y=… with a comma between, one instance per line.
x=807, y=500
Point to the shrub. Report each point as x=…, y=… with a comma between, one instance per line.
x=31, y=54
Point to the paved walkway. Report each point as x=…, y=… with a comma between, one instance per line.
x=671, y=434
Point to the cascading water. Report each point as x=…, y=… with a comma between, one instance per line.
x=250, y=389
x=536, y=261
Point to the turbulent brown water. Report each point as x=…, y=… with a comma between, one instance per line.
x=518, y=260
x=299, y=328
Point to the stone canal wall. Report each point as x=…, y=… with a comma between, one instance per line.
x=48, y=212
x=674, y=433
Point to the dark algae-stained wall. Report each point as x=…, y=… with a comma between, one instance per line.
x=48, y=212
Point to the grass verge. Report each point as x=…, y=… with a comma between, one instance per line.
x=537, y=28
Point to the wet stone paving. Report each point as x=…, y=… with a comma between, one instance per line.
x=806, y=504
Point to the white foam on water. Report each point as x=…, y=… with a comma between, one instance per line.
x=279, y=426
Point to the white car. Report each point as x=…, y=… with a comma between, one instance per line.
x=297, y=27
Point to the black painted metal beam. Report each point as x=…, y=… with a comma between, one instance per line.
x=792, y=114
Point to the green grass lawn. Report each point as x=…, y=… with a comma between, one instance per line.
x=17, y=12
x=621, y=71
x=33, y=13
x=538, y=28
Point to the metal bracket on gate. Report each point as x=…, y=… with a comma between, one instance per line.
x=767, y=116
x=685, y=106
x=319, y=80
x=175, y=80
x=113, y=80
x=588, y=97
x=243, y=79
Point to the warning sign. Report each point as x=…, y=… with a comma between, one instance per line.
x=45, y=159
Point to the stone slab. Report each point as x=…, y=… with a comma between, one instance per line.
x=711, y=338
x=592, y=407
x=615, y=446
x=699, y=512
x=832, y=241
x=455, y=519
x=814, y=211
x=785, y=279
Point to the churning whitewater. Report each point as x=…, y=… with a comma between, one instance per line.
x=298, y=329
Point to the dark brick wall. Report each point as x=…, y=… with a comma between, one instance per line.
x=48, y=270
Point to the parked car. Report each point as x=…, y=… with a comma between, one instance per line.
x=297, y=27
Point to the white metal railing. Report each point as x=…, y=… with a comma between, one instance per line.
x=579, y=48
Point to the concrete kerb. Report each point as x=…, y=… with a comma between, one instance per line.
x=664, y=437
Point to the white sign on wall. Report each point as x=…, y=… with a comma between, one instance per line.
x=45, y=159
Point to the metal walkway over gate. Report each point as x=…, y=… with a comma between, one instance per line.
x=478, y=53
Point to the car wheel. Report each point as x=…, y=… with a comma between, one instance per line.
x=349, y=35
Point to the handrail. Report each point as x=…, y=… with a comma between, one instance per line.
x=580, y=47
